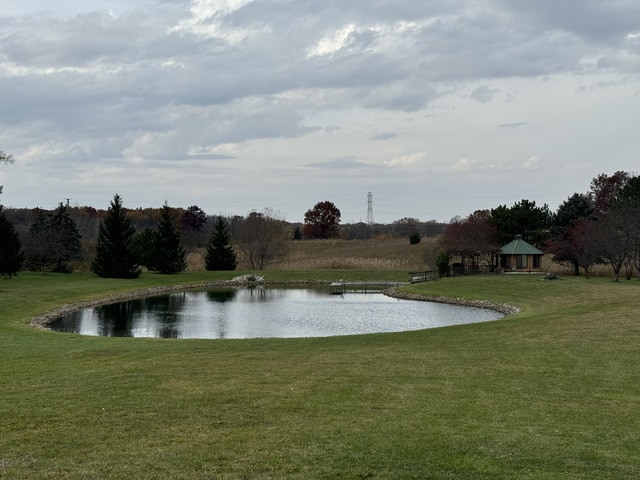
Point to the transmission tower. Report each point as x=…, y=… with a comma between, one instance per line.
x=369, y=208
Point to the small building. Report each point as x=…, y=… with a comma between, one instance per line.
x=520, y=256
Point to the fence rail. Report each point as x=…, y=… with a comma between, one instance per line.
x=423, y=276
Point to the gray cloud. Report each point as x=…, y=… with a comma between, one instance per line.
x=483, y=94
x=283, y=84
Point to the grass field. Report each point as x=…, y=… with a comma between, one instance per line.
x=551, y=393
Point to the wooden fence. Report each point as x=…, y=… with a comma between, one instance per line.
x=423, y=276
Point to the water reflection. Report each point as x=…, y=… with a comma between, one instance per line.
x=264, y=312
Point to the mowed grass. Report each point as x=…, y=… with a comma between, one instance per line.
x=553, y=392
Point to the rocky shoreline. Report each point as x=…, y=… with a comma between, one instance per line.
x=42, y=321
x=502, y=308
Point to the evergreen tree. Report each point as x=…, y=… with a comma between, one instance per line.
x=65, y=239
x=170, y=253
x=11, y=256
x=220, y=254
x=39, y=243
x=523, y=218
x=145, y=246
x=115, y=257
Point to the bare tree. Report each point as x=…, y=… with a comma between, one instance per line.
x=582, y=240
x=261, y=237
x=615, y=238
x=5, y=158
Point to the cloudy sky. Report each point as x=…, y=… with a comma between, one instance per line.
x=436, y=108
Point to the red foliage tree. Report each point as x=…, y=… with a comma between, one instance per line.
x=473, y=239
x=605, y=190
x=321, y=221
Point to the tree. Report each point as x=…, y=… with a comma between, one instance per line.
x=145, y=248
x=614, y=238
x=605, y=190
x=414, y=238
x=192, y=223
x=523, y=218
x=442, y=263
x=171, y=256
x=564, y=242
x=261, y=237
x=321, y=221
x=11, y=256
x=582, y=244
x=629, y=195
x=64, y=237
x=220, y=254
x=115, y=257
x=627, y=204
x=5, y=158
x=193, y=219
x=472, y=239
x=39, y=242
x=576, y=206
x=405, y=227
x=53, y=241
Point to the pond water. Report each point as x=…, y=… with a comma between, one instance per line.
x=264, y=313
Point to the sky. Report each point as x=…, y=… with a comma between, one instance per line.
x=438, y=109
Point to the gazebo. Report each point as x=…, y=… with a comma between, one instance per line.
x=520, y=256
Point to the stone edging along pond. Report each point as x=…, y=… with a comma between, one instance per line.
x=463, y=302
x=42, y=321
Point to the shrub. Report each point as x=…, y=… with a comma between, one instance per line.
x=414, y=238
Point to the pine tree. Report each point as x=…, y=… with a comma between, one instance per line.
x=145, y=246
x=39, y=243
x=115, y=257
x=170, y=253
x=65, y=239
x=220, y=254
x=11, y=256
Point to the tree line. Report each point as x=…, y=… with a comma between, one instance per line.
x=159, y=238
x=53, y=241
x=600, y=226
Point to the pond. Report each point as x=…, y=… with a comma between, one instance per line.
x=264, y=313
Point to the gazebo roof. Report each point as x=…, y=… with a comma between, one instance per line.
x=519, y=247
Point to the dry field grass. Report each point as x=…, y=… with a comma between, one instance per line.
x=374, y=254
x=386, y=254
x=377, y=253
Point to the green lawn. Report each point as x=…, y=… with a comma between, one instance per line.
x=553, y=392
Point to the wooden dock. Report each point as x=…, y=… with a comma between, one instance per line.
x=341, y=286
